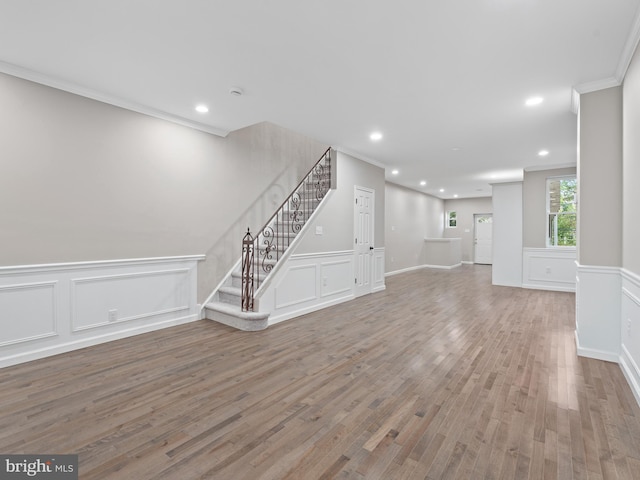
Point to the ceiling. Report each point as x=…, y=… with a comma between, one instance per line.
x=445, y=82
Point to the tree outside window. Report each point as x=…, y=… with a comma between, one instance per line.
x=561, y=211
x=452, y=220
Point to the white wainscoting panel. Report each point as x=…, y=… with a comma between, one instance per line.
x=630, y=330
x=29, y=312
x=549, y=269
x=378, y=269
x=308, y=282
x=300, y=285
x=50, y=309
x=598, y=312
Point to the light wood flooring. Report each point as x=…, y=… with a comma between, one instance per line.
x=440, y=376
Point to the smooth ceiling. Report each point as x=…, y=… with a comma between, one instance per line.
x=444, y=81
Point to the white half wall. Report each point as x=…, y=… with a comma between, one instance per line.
x=549, y=269
x=56, y=308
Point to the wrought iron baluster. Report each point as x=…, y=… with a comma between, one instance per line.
x=281, y=229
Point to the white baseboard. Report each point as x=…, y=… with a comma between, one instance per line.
x=444, y=267
x=594, y=353
x=61, y=307
x=38, y=353
x=551, y=288
x=421, y=267
x=273, y=319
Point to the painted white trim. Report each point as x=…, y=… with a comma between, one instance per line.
x=404, y=270
x=360, y=157
x=14, y=269
x=631, y=276
x=468, y=262
x=444, y=267
x=337, y=253
x=594, y=353
x=39, y=353
x=332, y=283
x=552, y=268
x=596, y=85
x=73, y=312
x=76, y=89
x=631, y=372
x=629, y=49
x=422, y=267
x=273, y=319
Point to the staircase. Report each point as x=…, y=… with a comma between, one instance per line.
x=235, y=302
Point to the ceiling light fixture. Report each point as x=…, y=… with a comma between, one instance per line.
x=236, y=91
x=375, y=136
x=423, y=183
x=202, y=108
x=455, y=196
x=441, y=190
x=394, y=172
x=543, y=153
x=533, y=101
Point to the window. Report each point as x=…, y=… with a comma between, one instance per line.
x=452, y=220
x=561, y=211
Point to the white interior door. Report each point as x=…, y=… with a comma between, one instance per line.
x=483, y=228
x=363, y=239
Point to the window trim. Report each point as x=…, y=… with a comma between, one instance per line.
x=548, y=210
x=447, y=219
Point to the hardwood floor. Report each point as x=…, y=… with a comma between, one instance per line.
x=440, y=376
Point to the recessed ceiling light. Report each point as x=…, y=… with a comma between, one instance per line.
x=533, y=101
x=455, y=149
x=375, y=136
x=441, y=190
x=455, y=196
x=202, y=108
x=394, y=172
x=423, y=183
x=543, y=153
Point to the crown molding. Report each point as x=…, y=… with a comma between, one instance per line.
x=623, y=65
x=629, y=49
x=360, y=157
x=71, y=87
x=539, y=168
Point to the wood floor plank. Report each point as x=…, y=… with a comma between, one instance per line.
x=442, y=375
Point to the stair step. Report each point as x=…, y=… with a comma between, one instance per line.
x=231, y=295
x=233, y=316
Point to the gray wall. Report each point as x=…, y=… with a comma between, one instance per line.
x=81, y=180
x=631, y=167
x=534, y=204
x=410, y=217
x=336, y=216
x=600, y=177
x=465, y=209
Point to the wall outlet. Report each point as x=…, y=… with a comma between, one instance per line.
x=324, y=281
x=319, y=230
x=113, y=315
x=548, y=269
x=629, y=327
